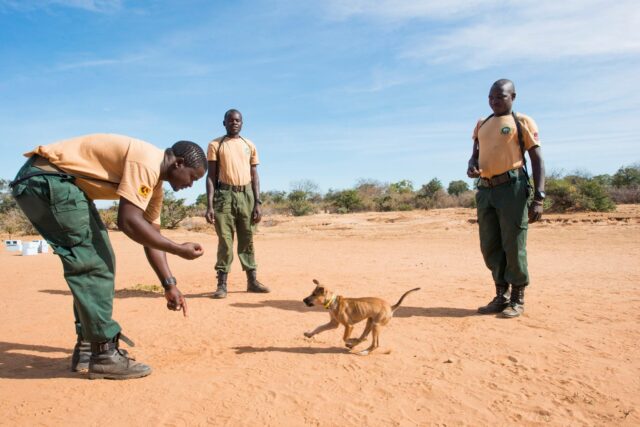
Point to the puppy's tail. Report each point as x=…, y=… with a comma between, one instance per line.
x=395, y=307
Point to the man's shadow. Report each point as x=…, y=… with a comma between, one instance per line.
x=294, y=305
x=136, y=293
x=18, y=361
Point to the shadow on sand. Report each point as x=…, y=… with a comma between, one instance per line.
x=291, y=305
x=19, y=361
x=298, y=350
x=137, y=293
x=294, y=305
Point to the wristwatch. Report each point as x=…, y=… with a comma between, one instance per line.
x=168, y=282
x=539, y=195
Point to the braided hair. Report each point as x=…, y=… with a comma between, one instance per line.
x=191, y=152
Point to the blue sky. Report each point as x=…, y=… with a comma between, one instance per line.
x=331, y=91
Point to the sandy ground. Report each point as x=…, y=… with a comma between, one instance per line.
x=573, y=359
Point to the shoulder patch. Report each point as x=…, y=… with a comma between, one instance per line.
x=144, y=191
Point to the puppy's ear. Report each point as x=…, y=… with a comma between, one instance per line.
x=316, y=282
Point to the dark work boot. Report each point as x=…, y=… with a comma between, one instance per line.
x=499, y=303
x=109, y=362
x=253, y=285
x=221, y=291
x=516, y=303
x=81, y=355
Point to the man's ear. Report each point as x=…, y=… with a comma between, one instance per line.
x=179, y=163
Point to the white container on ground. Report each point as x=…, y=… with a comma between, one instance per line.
x=30, y=248
x=43, y=246
x=13, y=245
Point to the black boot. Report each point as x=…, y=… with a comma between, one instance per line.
x=221, y=291
x=253, y=285
x=109, y=362
x=81, y=355
x=516, y=303
x=499, y=303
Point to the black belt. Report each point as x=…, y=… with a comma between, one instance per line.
x=497, y=180
x=234, y=188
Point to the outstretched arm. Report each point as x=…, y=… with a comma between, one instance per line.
x=132, y=223
x=158, y=261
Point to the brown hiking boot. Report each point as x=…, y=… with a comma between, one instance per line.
x=516, y=304
x=253, y=285
x=109, y=362
x=221, y=291
x=81, y=355
x=499, y=303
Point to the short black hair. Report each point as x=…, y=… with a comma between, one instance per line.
x=233, y=110
x=506, y=84
x=191, y=153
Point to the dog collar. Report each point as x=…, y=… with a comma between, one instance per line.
x=330, y=302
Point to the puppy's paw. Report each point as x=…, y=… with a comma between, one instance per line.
x=352, y=342
x=308, y=334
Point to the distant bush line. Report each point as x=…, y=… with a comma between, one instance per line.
x=575, y=192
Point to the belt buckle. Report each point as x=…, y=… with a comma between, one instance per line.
x=486, y=182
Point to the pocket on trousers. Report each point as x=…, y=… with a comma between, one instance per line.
x=483, y=199
x=70, y=209
x=222, y=202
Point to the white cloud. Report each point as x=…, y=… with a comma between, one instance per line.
x=98, y=6
x=399, y=10
x=99, y=62
x=479, y=34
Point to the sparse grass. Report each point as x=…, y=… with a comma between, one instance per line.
x=146, y=288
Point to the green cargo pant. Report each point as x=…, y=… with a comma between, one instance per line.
x=63, y=215
x=233, y=213
x=503, y=222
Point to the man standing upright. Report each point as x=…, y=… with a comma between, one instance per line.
x=233, y=201
x=498, y=160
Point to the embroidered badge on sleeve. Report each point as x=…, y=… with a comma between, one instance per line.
x=144, y=191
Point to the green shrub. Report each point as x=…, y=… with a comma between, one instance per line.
x=109, y=216
x=593, y=197
x=457, y=187
x=627, y=177
x=344, y=201
x=577, y=193
x=174, y=211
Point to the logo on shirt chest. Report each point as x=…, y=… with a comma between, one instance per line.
x=505, y=130
x=144, y=191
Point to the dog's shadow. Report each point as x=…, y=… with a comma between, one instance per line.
x=299, y=350
x=294, y=305
x=26, y=361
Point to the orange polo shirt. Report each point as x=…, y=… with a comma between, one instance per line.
x=234, y=158
x=498, y=143
x=109, y=166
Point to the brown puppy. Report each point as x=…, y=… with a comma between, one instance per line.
x=349, y=311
